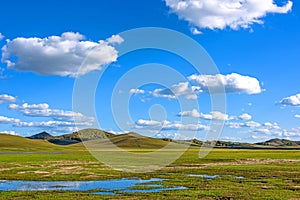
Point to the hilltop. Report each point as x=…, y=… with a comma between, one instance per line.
x=72, y=138
x=41, y=136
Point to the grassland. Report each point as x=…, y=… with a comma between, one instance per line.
x=269, y=174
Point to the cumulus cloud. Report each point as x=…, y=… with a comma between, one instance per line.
x=219, y=83
x=294, y=132
x=7, y=98
x=176, y=90
x=174, y=136
x=61, y=120
x=44, y=110
x=234, y=125
x=59, y=55
x=291, y=101
x=297, y=116
x=50, y=124
x=136, y=91
x=166, y=125
x=249, y=124
x=54, y=126
x=231, y=83
x=256, y=137
x=214, y=115
x=193, y=113
x=263, y=131
x=115, y=39
x=7, y=120
x=245, y=116
x=271, y=125
x=220, y=14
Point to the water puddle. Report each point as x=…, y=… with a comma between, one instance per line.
x=210, y=177
x=107, y=187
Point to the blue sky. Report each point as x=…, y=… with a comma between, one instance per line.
x=255, y=46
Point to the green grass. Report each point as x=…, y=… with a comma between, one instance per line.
x=269, y=174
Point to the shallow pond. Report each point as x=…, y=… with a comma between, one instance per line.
x=107, y=187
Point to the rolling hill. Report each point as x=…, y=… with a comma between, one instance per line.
x=134, y=140
x=17, y=143
x=92, y=137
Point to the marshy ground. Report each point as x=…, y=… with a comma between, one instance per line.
x=266, y=174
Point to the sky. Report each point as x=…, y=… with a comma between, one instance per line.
x=254, y=44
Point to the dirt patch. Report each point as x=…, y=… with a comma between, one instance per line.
x=55, y=164
x=70, y=170
x=41, y=172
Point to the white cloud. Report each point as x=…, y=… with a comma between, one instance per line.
x=176, y=90
x=166, y=125
x=245, y=116
x=1, y=36
x=214, y=115
x=297, y=116
x=263, y=131
x=231, y=83
x=193, y=113
x=43, y=110
x=115, y=39
x=50, y=124
x=271, y=125
x=228, y=138
x=7, y=120
x=174, y=136
x=251, y=124
x=234, y=125
x=256, y=137
x=59, y=55
x=136, y=91
x=220, y=14
x=291, y=101
x=196, y=31
x=7, y=98
x=9, y=132
x=53, y=126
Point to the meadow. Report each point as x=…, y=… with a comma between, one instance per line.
x=263, y=174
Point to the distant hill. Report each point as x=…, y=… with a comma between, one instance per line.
x=279, y=142
x=41, y=136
